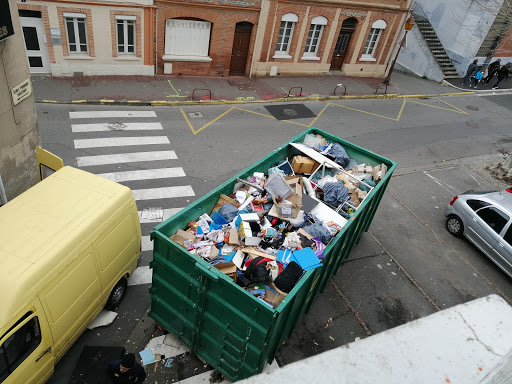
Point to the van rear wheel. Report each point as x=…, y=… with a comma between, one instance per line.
x=117, y=294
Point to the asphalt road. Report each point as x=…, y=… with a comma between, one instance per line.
x=406, y=267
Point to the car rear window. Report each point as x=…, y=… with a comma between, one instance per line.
x=477, y=204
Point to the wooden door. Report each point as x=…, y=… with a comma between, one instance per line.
x=240, y=51
x=340, y=49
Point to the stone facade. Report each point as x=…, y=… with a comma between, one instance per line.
x=19, y=135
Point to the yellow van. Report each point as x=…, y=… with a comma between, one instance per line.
x=67, y=247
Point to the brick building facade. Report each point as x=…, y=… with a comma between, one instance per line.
x=277, y=37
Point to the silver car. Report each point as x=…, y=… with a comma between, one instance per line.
x=485, y=219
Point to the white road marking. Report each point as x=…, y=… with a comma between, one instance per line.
x=121, y=141
x=442, y=184
x=141, y=275
x=86, y=161
x=147, y=244
x=163, y=193
x=144, y=174
x=167, y=213
x=115, y=127
x=106, y=114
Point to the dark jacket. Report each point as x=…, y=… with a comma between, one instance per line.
x=503, y=73
x=134, y=375
x=471, y=68
x=493, y=67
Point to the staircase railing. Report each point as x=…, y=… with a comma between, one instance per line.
x=419, y=11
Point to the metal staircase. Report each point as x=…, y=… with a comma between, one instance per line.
x=435, y=46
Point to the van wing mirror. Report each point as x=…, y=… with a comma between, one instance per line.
x=47, y=163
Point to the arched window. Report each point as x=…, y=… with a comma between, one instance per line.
x=285, y=35
x=349, y=23
x=314, y=37
x=373, y=39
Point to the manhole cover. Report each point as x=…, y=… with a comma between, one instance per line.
x=473, y=108
x=472, y=124
x=116, y=126
x=195, y=115
x=290, y=111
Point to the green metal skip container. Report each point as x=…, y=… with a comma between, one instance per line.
x=220, y=322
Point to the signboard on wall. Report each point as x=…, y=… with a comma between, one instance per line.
x=6, y=28
x=21, y=91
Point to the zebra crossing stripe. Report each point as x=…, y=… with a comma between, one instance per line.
x=163, y=193
x=144, y=174
x=120, y=158
x=166, y=214
x=121, y=141
x=76, y=128
x=142, y=275
x=106, y=114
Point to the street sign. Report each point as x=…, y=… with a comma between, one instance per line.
x=21, y=91
x=6, y=28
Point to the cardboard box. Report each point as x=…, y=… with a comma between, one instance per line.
x=295, y=183
x=363, y=169
x=272, y=298
x=229, y=269
x=304, y=164
x=285, y=210
x=233, y=237
x=180, y=236
x=379, y=171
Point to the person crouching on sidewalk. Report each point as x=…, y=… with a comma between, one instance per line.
x=125, y=371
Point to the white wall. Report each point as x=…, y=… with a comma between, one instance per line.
x=417, y=59
x=461, y=26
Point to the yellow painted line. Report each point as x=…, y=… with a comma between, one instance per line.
x=456, y=94
x=211, y=122
x=256, y=113
x=49, y=101
x=78, y=101
x=188, y=121
x=133, y=101
x=319, y=114
x=399, y=116
x=106, y=101
x=369, y=113
x=453, y=106
x=434, y=106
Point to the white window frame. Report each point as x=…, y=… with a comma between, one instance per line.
x=373, y=38
x=187, y=40
x=288, y=22
x=310, y=50
x=124, y=21
x=74, y=18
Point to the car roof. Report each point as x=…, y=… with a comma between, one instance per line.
x=499, y=198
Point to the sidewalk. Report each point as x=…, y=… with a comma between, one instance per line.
x=504, y=86
x=179, y=90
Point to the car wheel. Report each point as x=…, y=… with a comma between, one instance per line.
x=117, y=294
x=454, y=225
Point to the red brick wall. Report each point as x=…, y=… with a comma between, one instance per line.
x=385, y=40
x=505, y=47
x=221, y=36
x=46, y=22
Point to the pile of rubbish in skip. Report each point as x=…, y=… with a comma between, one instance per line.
x=275, y=225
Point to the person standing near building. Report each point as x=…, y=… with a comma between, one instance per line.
x=502, y=74
x=491, y=70
x=125, y=371
x=472, y=67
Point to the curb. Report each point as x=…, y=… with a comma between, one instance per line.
x=155, y=103
x=482, y=91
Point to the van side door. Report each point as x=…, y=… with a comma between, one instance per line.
x=72, y=299
x=26, y=349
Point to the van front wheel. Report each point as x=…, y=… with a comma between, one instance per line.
x=117, y=294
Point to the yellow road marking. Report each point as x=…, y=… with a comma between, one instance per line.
x=397, y=118
x=453, y=106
